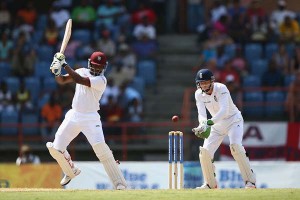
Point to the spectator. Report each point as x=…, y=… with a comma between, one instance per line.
x=112, y=112
x=84, y=15
x=60, y=16
x=27, y=157
x=28, y=13
x=142, y=11
x=293, y=99
x=121, y=73
x=281, y=60
x=127, y=94
x=106, y=44
x=135, y=111
x=221, y=25
x=254, y=12
x=6, y=101
x=51, y=33
x=71, y=48
x=145, y=48
x=237, y=10
x=5, y=16
x=108, y=14
x=111, y=90
x=6, y=47
x=222, y=57
x=229, y=70
x=272, y=77
x=235, y=91
x=20, y=27
x=258, y=32
x=126, y=56
x=278, y=16
x=145, y=28
x=23, y=98
x=289, y=30
x=237, y=29
x=23, y=58
x=239, y=63
x=217, y=11
x=217, y=39
x=51, y=114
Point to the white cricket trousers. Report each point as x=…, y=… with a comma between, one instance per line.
x=234, y=131
x=74, y=123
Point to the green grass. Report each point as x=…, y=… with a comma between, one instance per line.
x=238, y=194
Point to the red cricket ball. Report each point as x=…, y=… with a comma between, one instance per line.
x=175, y=118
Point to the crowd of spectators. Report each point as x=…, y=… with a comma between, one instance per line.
x=248, y=48
x=124, y=31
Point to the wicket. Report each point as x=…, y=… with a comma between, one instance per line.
x=175, y=140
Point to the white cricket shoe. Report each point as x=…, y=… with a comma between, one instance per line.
x=121, y=187
x=250, y=185
x=204, y=186
x=66, y=179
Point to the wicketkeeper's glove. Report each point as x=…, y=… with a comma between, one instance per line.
x=204, y=128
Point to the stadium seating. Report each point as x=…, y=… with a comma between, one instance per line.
x=82, y=35
x=253, y=104
x=288, y=79
x=259, y=67
x=42, y=69
x=253, y=52
x=45, y=53
x=270, y=49
x=6, y=119
x=30, y=123
x=230, y=50
x=13, y=83
x=251, y=81
x=33, y=85
x=290, y=49
x=274, y=104
x=146, y=69
x=5, y=69
x=138, y=83
x=49, y=84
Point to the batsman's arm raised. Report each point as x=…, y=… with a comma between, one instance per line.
x=58, y=62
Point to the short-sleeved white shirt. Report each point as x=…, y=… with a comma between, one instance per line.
x=86, y=99
x=219, y=104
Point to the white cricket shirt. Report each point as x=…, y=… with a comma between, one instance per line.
x=219, y=104
x=86, y=99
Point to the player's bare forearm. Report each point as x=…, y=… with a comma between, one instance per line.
x=63, y=79
x=77, y=78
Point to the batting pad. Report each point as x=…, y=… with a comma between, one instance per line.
x=64, y=160
x=208, y=168
x=239, y=154
x=106, y=157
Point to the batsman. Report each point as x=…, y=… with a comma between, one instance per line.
x=226, y=121
x=83, y=117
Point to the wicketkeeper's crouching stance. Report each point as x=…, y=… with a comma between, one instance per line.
x=83, y=117
x=226, y=120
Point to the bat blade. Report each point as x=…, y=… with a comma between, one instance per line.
x=67, y=36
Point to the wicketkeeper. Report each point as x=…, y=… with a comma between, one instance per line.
x=226, y=120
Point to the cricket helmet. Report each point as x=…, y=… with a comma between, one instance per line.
x=204, y=75
x=97, y=63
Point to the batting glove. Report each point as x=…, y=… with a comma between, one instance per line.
x=204, y=128
x=55, y=68
x=60, y=58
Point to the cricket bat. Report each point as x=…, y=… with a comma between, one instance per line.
x=67, y=36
